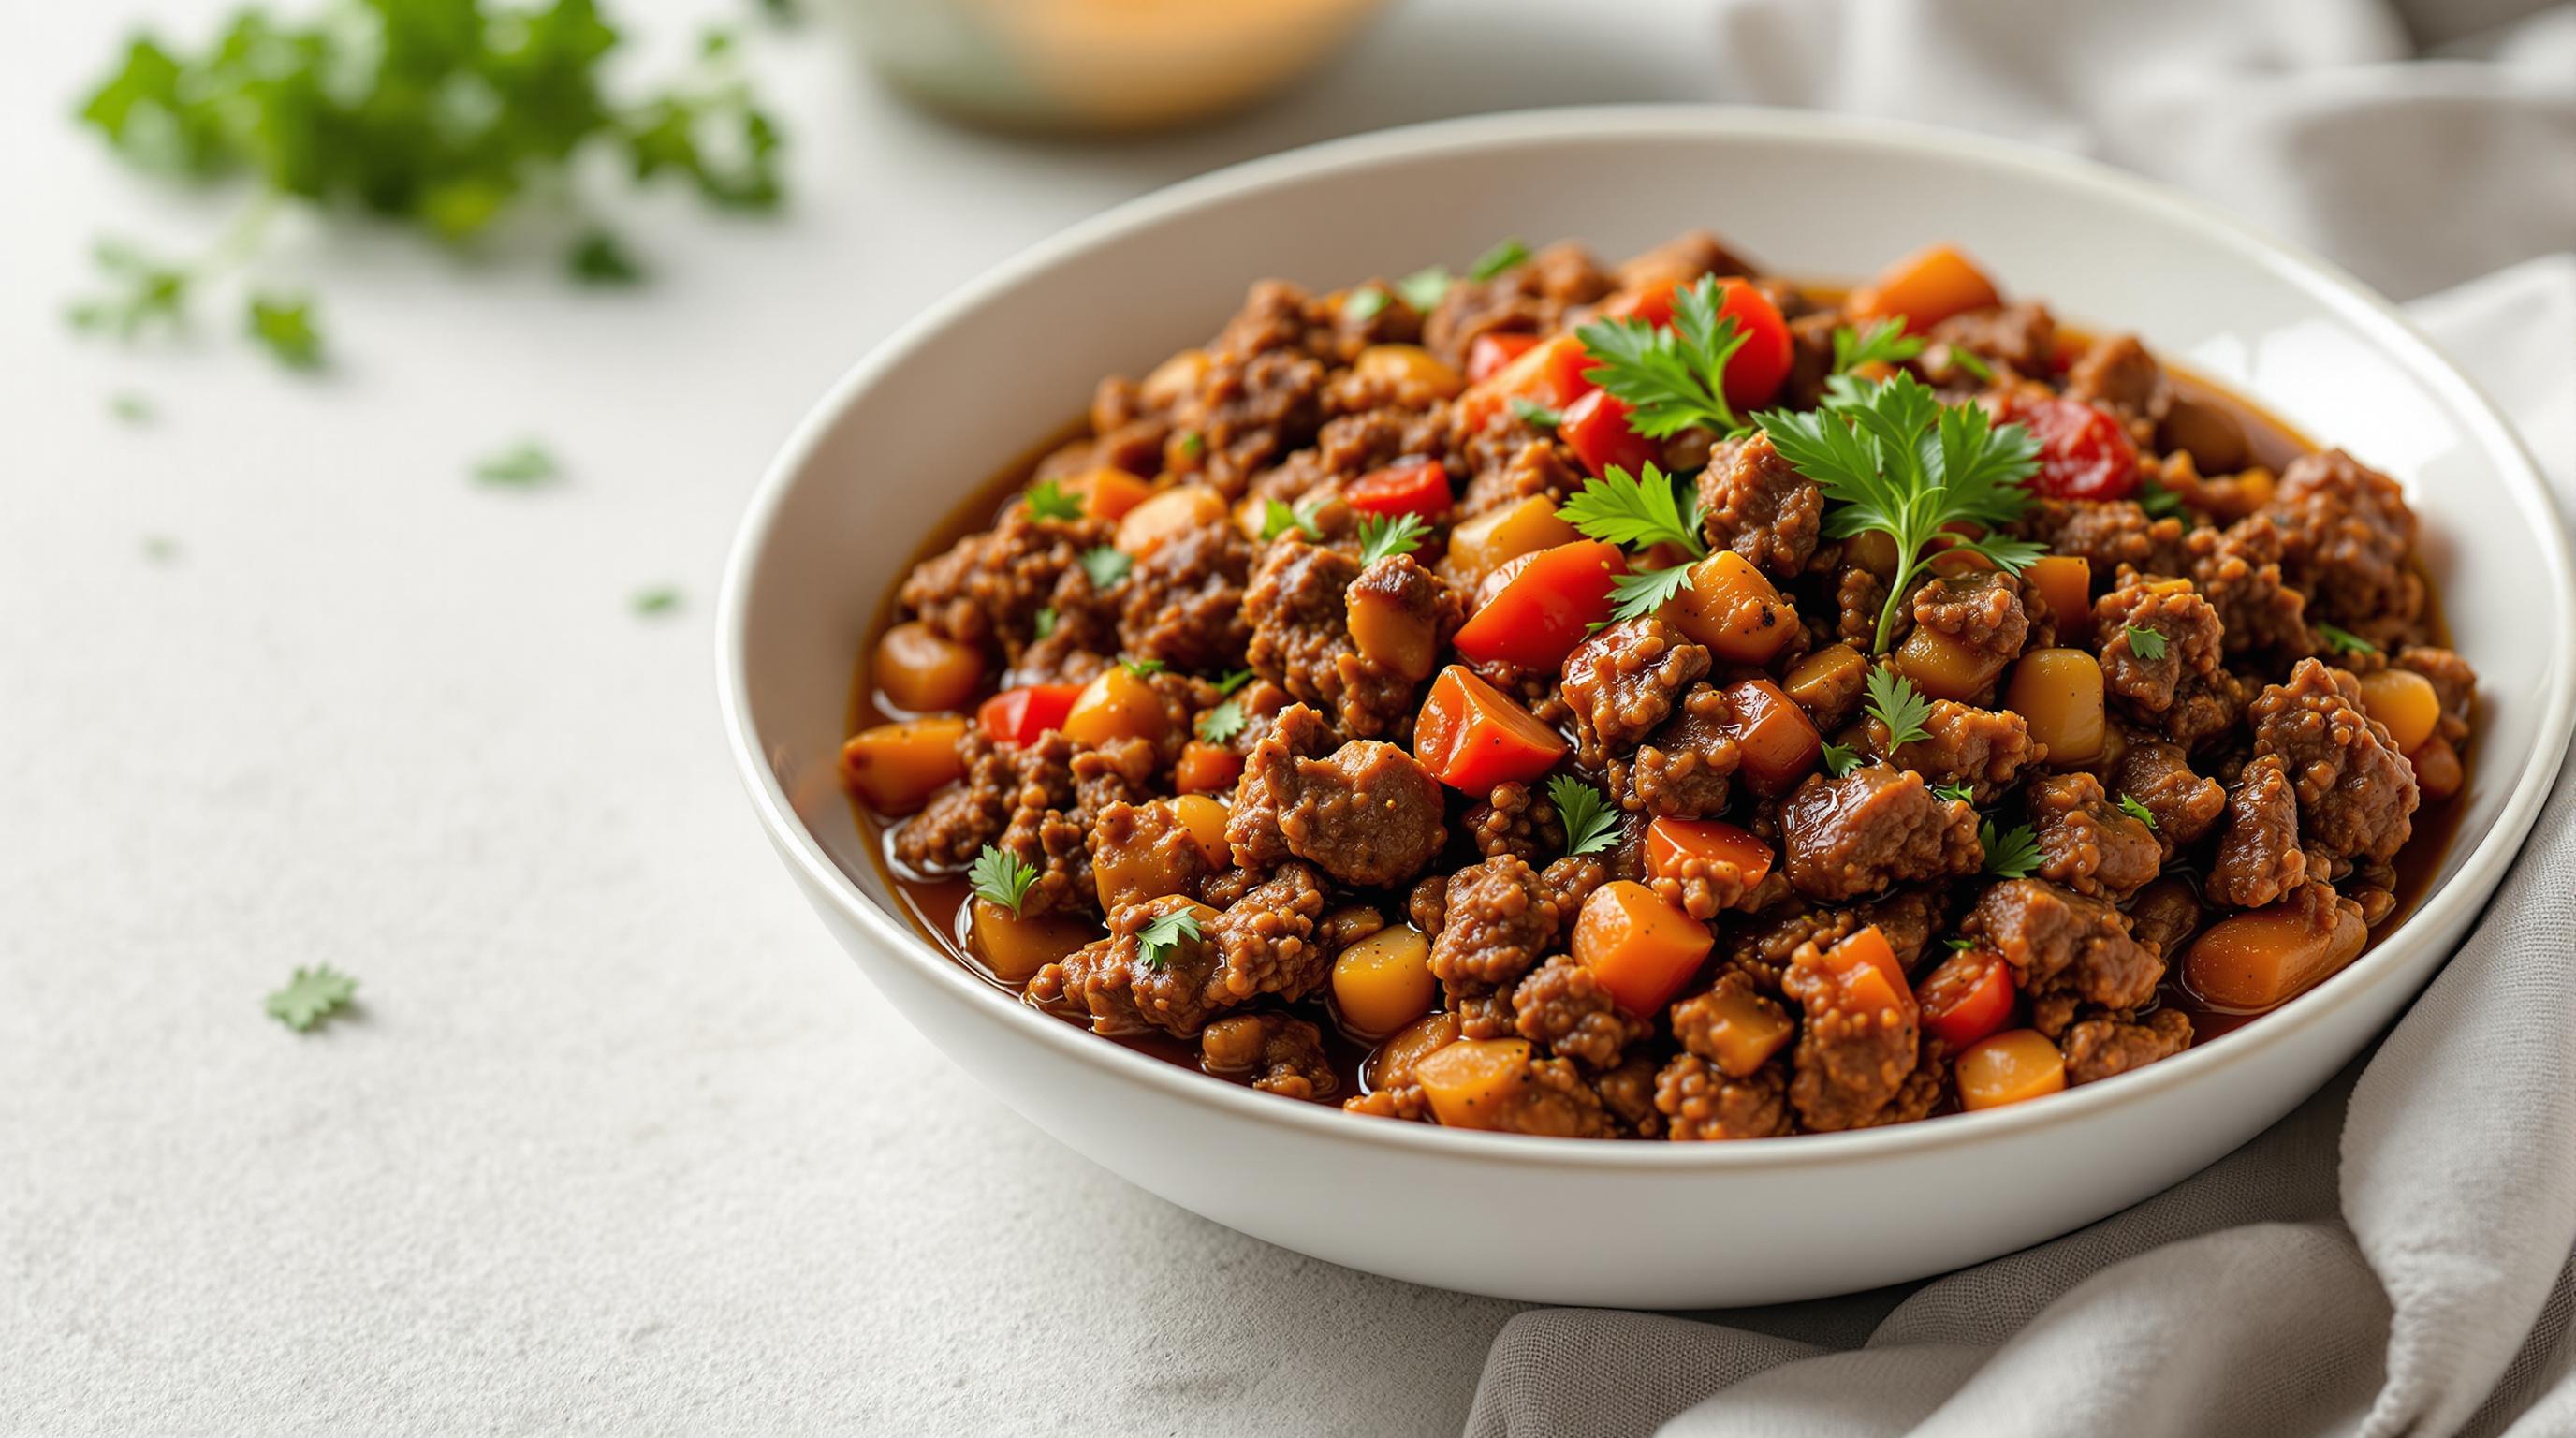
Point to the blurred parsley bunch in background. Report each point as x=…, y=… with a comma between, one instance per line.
x=441, y=116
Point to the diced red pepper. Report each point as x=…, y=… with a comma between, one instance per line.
x=1419, y=488
x=1596, y=428
x=2083, y=453
x=1755, y=372
x=1493, y=350
x=1968, y=997
x=1536, y=608
x=1549, y=373
x=1019, y=716
x=1471, y=736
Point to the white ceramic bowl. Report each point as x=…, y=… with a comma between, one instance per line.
x=916, y=424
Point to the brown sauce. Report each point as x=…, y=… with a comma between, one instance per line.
x=937, y=905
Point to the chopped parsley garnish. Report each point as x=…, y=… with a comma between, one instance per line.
x=1222, y=722
x=285, y=329
x=1383, y=536
x=1231, y=680
x=1641, y=592
x=1670, y=379
x=1840, y=759
x=1046, y=621
x=1106, y=564
x=130, y=408
x=1960, y=943
x=1167, y=932
x=1363, y=304
x=311, y=996
x=1899, y=705
x=2147, y=644
x=1636, y=511
x=1193, y=444
x=522, y=466
x=1536, y=415
x=145, y=292
x=600, y=258
x=2344, y=641
x=160, y=548
x=1047, y=499
x=1877, y=342
x=661, y=600
x=1278, y=518
x=2137, y=811
x=2011, y=855
x=1954, y=793
x=1898, y=462
x=1498, y=259
x=2158, y=501
x=1001, y=879
x=1589, y=822
x=1143, y=668
x=1424, y=288
x=1966, y=359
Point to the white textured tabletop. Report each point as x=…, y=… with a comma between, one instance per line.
x=617, y=1140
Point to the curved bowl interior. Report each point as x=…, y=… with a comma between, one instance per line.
x=973, y=382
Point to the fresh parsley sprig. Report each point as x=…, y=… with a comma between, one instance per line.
x=2011, y=854
x=311, y=996
x=1231, y=680
x=1106, y=564
x=1840, y=759
x=1590, y=824
x=2147, y=644
x=1636, y=511
x=1877, y=342
x=1000, y=879
x=1898, y=705
x=1278, y=517
x=1384, y=536
x=1166, y=932
x=1671, y=379
x=1899, y=462
x=2344, y=641
x=2136, y=810
x=1047, y=499
x=1223, y=722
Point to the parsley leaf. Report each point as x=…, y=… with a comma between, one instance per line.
x=2344, y=641
x=130, y=408
x=311, y=996
x=1536, y=415
x=1143, y=668
x=662, y=600
x=522, y=466
x=1193, y=444
x=2147, y=644
x=1363, y=304
x=1222, y=722
x=1382, y=536
x=2011, y=855
x=1106, y=565
x=1046, y=621
x=1960, y=943
x=1877, y=342
x=1047, y=499
x=1633, y=510
x=2158, y=501
x=1954, y=794
x=1166, y=933
x=1277, y=518
x=286, y=329
x=1498, y=259
x=1670, y=379
x=160, y=548
x=1899, y=705
x=999, y=878
x=1898, y=462
x=600, y=258
x=1425, y=287
x=1967, y=359
x=1840, y=759
x=1641, y=592
x=1590, y=824
x=1231, y=680
x=147, y=292
x=2136, y=810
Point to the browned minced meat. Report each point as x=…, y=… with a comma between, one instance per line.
x=1508, y=463
x=2116, y=373
x=1282, y=1054
x=1924, y=1091
x=1527, y=297
x=2346, y=532
x=1981, y=611
x=1859, y=595
x=2106, y=533
x=1511, y=819
x=986, y=589
x=1549, y=1098
x=1852, y=1056
x=2164, y=916
x=1682, y=769
x=2087, y=842
x=1628, y=1092
x=1562, y=1006
x=1039, y=803
x=1183, y=601
x=1907, y=919
x=2357, y=794
x=1496, y=922
x=1622, y=682
x=2064, y=949
x=1699, y=1101
x=2454, y=683
x=2159, y=776
x=1250, y=411
x=972, y=812
x=1366, y=812
x=1680, y=260
x=2021, y=336
x=1260, y=945
x=2238, y=570
x=1874, y=827
x=1753, y=502
x=1299, y=610
x=2258, y=857
x=2175, y=612
x=1984, y=749
x=2104, y=1048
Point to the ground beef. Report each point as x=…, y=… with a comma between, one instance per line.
x=965, y=816
x=2106, y=533
x=1284, y=1055
x=2116, y=374
x=1366, y=813
x=1562, y=1006
x=2086, y=842
x=1907, y=919
x=2345, y=535
x=1299, y=611
x=1549, y=1098
x=986, y=589
x=1511, y=819
x=2164, y=917
x=1183, y=601
x=2258, y=857
x=1753, y=502
x=2021, y=336
x=2065, y=949
x=1963, y=744
x=1873, y=827
x=2159, y=776
x=1508, y=463
x=2454, y=683
x=1497, y=919
x=2103, y=1048
x=1982, y=611
x=1628, y=1092
x=1811, y=357
x=1250, y=411
x=2357, y=794
x=2173, y=610
x=1852, y=1056
x=1859, y=595
x=1527, y=297
x=1622, y=683
x=1039, y=803
x=1700, y=1102
x=1260, y=945
x=1682, y=769
x=2238, y=570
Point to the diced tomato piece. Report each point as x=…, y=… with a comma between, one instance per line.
x=1471, y=736
x=1755, y=372
x=1653, y=304
x=1549, y=373
x=1778, y=744
x=1419, y=488
x=1535, y=609
x=1968, y=997
x=1493, y=350
x=1019, y=716
x=2083, y=453
x=1596, y=428
x=1672, y=845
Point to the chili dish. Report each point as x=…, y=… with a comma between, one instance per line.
x=1664, y=701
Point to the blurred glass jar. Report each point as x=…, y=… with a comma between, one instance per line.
x=1098, y=65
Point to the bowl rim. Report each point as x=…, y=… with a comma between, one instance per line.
x=2375, y=318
